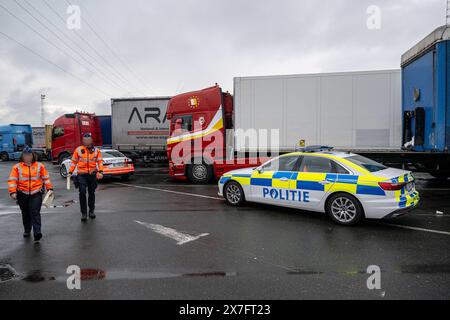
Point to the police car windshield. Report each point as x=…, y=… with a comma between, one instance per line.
x=112, y=154
x=366, y=163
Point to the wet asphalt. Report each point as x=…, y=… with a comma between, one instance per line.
x=253, y=252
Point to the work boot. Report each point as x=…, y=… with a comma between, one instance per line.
x=92, y=215
x=83, y=217
x=37, y=237
x=26, y=234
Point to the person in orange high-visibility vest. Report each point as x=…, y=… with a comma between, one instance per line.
x=88, y=161
x=26, y=183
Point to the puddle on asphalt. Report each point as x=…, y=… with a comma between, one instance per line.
x=425, y=268
x=92, y=274
x=37, y=276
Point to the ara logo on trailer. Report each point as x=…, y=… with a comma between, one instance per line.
x=194, y=102
x=286, y=194
x=149, y=113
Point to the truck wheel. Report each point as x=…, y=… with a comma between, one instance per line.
x=234, y=195
x=4, y=156
x=199, y=173
x=62, y=157
x=344, y=209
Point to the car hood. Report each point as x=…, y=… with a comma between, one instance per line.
x=241, y=171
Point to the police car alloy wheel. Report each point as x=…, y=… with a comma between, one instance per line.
x=344, y=209
x=234, y=194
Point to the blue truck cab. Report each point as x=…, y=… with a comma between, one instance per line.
x=425, y=87
x=13, y=138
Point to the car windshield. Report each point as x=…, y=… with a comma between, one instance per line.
x=112, y=154
x=366, y=163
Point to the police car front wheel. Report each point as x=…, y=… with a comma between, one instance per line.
x=344, y=209
x=234, y=195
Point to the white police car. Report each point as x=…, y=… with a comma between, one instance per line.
x=348, y=187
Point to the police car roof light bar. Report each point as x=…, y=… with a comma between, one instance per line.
x=311, y=149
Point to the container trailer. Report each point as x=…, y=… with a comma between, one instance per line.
x=140, y=127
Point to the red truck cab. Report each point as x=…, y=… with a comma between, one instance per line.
x=197, y=143
x=68, y=131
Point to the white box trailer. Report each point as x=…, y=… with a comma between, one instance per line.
x=349, y=110
x=139, y=126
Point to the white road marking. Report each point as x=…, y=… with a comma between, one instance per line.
x=419, y=229
x=180, y=237
x=170, y=191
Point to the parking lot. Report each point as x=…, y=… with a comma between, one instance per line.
x=158, y=239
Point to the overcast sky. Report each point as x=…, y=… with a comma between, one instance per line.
x=153, y=48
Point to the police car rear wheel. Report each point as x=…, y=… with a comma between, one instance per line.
x=344, y=209
x=234, y=194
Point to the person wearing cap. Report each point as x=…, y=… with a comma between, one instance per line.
x=89, y=163
x=26, y=182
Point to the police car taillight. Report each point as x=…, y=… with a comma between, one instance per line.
x=391, y=186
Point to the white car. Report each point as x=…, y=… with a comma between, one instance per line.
x=348, y=187
x=115, y=163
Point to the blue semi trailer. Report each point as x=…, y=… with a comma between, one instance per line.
x=105, y=126
x=425, y=108
x=13, y=138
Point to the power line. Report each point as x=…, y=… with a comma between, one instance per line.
x=42, y=37
x=105, y=77
x=112, y=50
x=116, y=73
x=54, y=64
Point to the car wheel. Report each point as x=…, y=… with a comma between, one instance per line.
x=4, y=156
x=63, y=171
x=344, y=209
x=199, y=173
x=234, y=194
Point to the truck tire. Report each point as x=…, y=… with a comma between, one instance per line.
x=344, y=209
x=4, y=156
x=63, y=156
x=200, y=173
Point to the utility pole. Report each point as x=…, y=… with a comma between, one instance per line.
x=42, y=110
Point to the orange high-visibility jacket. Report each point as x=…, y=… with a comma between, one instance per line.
x=28, y=179
x=87, y=160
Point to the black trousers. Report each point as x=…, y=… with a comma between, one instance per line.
x=87, y=182
x=30, y=205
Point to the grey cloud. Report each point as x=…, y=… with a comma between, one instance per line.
x=176, y=46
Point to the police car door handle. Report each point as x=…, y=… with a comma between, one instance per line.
x=284, y=179
x=324, y=182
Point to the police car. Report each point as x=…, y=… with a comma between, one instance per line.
x=115, y=164
x=348, y=187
